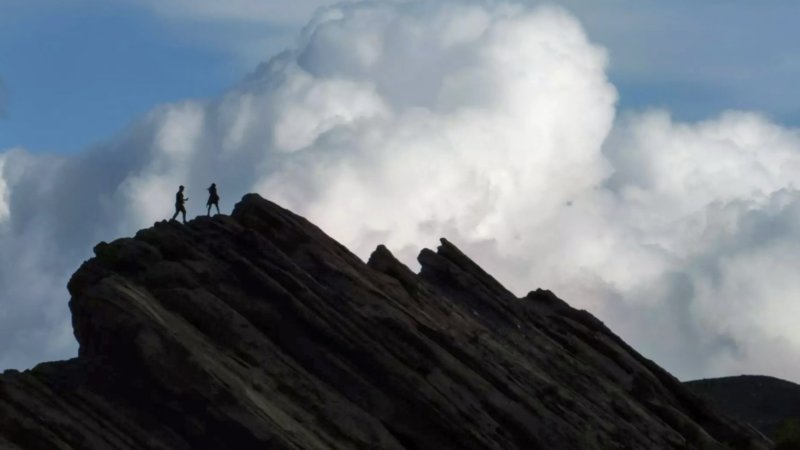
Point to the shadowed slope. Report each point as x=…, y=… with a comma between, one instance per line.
x=760, y=400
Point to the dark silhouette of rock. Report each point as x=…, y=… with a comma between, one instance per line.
x=760, y=400
x=257, y=330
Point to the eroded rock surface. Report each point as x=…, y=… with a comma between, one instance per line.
x=259, y=331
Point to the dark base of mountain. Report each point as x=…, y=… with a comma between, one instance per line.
x=762, y=401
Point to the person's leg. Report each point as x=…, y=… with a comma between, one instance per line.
x=215, y=204
x=177, y=210
x=183, y=212
x=209, y=210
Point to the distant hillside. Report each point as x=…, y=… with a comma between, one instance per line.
x=759, y=400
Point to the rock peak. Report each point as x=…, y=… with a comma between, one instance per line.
x=257, y=330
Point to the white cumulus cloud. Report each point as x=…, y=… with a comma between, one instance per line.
x=490, y=123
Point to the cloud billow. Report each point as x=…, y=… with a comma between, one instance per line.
x=489, y=123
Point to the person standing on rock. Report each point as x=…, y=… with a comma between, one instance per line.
x=179, y=201
x=213, y=198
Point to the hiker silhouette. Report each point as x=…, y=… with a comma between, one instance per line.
x=213, y=198
x=179, y=200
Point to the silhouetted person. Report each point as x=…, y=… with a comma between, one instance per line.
x=179, y=200
x=213, y=198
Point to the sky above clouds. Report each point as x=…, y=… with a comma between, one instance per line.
x=638, y=159
x=4, y=99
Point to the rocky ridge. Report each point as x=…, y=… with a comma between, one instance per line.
x=257, y=330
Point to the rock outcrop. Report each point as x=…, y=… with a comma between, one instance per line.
x=259, y=331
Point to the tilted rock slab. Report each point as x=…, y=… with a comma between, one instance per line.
x=258, y=331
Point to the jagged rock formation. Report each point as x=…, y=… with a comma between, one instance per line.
x=259, y=331
x=760, y=400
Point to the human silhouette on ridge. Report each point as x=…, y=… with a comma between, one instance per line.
x=213, y=198
x=179, y=201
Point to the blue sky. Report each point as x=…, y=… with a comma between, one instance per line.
x=668, y=216
x=77, y=73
